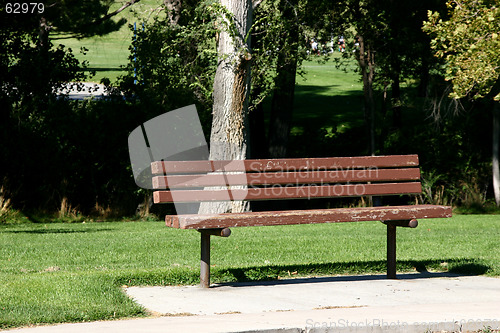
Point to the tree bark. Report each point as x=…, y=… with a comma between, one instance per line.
x=282, y=107
x=284, y=91
x=496, y=152
x=119, y=10
x=423, y=85
x=258, y=139
x=43, y=35
x=396, y=96
x=367, y=64
x=173, y=10
x=229, y=133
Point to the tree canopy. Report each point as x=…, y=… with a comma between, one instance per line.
x=78, y=145
x=468, y=42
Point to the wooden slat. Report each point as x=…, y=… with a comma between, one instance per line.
x=289, y=164
x=193, y=221
x=287, y=192
x=280, y=178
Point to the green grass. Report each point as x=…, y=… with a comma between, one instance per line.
x=63, y=272
x=107, y=54
x=328, y=96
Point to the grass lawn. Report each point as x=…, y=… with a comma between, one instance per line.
x=72, y=272
x=107, y=54
x=328, y=96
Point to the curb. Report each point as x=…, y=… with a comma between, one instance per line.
x=457, y=326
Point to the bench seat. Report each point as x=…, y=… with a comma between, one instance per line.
x=270, y=218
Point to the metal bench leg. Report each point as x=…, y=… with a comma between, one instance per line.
x=205, y=260
x=391, y=251
x=205, y=252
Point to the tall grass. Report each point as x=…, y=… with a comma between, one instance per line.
x=4, y=202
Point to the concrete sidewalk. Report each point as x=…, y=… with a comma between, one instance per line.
x=430, y=302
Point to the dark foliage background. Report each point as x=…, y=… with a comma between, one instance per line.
x=66, y=157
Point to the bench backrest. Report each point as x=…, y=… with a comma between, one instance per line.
x=267, y=179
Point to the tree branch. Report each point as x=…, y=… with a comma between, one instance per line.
x=495, y=90
x=256, y=3
x=109, y=15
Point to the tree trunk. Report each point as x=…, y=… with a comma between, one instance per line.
x=258, y=140
x=229, y=134
x=43, y=35
x=256, y=115
x=282, y=107
x=367, y=64
x=396, y=96
x=423, y=85
x=174, y=8
x=496, y=152
x=284, y=91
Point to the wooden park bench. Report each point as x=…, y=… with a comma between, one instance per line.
x=302, y=178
